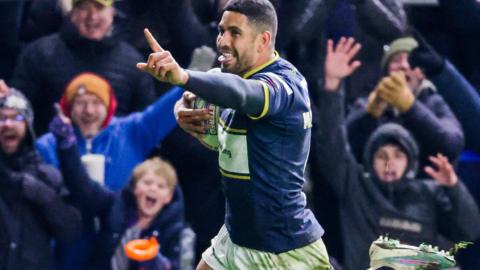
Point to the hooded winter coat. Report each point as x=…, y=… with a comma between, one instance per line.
x=413, y=210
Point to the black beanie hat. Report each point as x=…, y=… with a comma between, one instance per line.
x=395, y=134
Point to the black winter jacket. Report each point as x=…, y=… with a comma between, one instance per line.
x=32, y=215
x=412, y=210
x=47, y=65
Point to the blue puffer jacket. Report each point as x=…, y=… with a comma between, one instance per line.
x=125, y=142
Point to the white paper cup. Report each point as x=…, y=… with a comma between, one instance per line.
x=95, y=166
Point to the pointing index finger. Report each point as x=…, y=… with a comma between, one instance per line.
x=152, y=41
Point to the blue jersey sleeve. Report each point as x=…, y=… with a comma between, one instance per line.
x=278, y=92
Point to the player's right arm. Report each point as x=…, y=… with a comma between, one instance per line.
x=224, y=90
x=228, y=91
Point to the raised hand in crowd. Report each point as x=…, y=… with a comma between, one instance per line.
x=3, y=89
x=63, y=131
x=61, y=126
x=161, y=64
x=338, y=62
x=444, y=174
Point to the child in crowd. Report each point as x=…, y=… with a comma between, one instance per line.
x=149, y=206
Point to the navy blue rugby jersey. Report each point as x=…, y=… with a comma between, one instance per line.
x=262, y=160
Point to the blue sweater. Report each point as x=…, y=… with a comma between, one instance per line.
x=125, y=142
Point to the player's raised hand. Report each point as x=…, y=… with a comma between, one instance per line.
x=161, y=64
x=444, y=174
x=338, y=62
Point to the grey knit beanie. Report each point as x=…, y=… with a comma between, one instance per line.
x=17, y=101
x=406, y=44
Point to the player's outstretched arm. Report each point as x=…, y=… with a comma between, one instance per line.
x=222, y=89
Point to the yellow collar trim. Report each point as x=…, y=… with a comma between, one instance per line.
x=257, y=69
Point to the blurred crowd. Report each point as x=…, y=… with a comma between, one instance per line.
x=70, y=194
